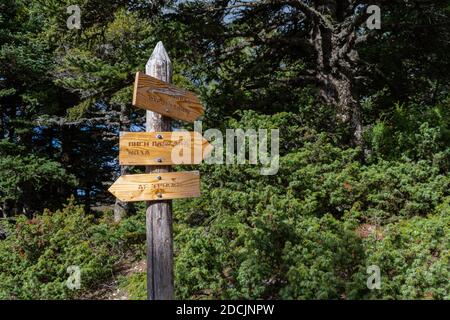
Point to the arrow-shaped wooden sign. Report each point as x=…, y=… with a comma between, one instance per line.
x=162, y=148
x=162, y=97
x=157, y=186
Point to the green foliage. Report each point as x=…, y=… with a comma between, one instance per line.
x=296, y=235
x=275, y=254
x=415, y=130
x=322, y=261
x=135, y=285
x=300, y=234
x=29, y=179
x=36, y=253
x=413, y=256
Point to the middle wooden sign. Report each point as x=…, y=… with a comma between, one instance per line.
x=162, y=148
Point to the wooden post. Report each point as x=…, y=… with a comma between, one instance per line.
x=159, y=213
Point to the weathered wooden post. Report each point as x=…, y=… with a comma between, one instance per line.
x=159, y=213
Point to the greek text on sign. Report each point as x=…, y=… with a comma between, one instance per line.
x=161, y=97
x=162, y=148
x=157, y=186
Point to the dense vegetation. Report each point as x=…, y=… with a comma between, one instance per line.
x=364, y=119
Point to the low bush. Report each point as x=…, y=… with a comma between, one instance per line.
x=36, y=254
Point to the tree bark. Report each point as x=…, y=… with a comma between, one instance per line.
x=123, y=209
x=337, y=68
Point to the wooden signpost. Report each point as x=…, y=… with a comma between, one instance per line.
x=157, y=149
x=166, y=99
x=162, y=148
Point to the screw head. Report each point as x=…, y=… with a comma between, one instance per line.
x=159, y=136
x=159, y=195
x=158, y=177
x=158, y=160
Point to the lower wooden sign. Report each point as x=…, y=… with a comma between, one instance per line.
x=157, y=186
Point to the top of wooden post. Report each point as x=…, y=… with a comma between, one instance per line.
x=159, y=64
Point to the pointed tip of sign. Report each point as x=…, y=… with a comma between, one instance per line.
x=160, y=53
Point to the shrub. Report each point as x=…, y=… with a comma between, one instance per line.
x=296, y=235
x=135, y=285
x=413, y=256
x=36, y=253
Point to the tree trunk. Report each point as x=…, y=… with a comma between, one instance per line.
x=349, y=110
x=336, y=71
x=123, y=209
x=87, y=199
x=2, y=126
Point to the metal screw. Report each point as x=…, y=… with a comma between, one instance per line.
x=159, y=136
x=159, y=195
x=158, y=160
x=158, y=177
x=167, y=110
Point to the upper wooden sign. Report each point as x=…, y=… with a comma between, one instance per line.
x=162, y=97
x=162, y=148
x=157, y=186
